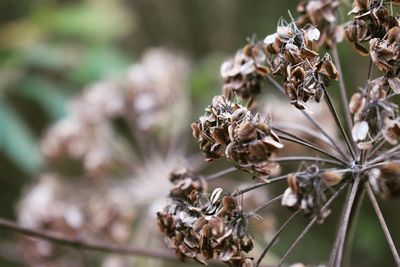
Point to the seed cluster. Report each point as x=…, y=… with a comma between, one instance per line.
x=203, y=226
x=293, y=57
x=231, y=130
x=306, y=191
x=372, y=19
x=385, y=180
x=244, y=73
x=375, y=112
x=320, y=13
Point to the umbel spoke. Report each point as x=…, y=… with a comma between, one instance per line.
x=381, y=219
x=310, y=224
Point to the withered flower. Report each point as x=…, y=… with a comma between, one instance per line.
x=374, y=113
x=293, y=57
x=372, y=19
x=231, y=130
x=203, y=226
x=244, y=73
x=385, y=180
x=320, y=13
x=306, y=191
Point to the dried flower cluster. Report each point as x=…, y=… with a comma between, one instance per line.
x=372, y=19
x=202, y=226
x=320, y=13
x=142, y=98
x=231, y=130
x=369, y=161
x=307, y=191
x=244, y=73
x=99, y=134
x=305, y=73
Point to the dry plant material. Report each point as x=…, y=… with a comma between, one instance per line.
x=291, y=60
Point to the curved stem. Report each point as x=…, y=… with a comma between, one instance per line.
x=86, y=244
x=319, y=127
x=257, y=185
x=314, y=122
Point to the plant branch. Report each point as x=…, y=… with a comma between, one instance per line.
x=305, y=158
x=310, y=224
x=275, y=237
x=339, y=124
x=383, y=224
x=313, y=121
x=220, y=173
x=266, y=204
x=342, y=87
x=86, y=244
x=337, y=253
x=305, y=143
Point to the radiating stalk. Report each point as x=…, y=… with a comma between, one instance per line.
x=383, y=224
x=310, y=224
x=339, y=124
x=342, y=87
x=275, y=237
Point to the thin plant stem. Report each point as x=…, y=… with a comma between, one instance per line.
x=319, y=127
x=384, y=155
x=86, y=244
x=342, y=87
x=260, y=184
x=314, y=122
x=275, y=237
x=311, y=133
x=339, y=124
x=375, y=149
x=344, y=225
x=266, y=204
x=305, y=158
x=310, y=224
x=314, y=147
x=383, y=224
x=220, y=173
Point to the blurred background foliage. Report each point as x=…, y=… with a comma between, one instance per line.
x=51, y=49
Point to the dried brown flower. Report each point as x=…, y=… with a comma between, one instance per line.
x=229, y=129
x=244, y=73
x=203, y=227
x=293, y=57
x=320, y=13
x=385, y=180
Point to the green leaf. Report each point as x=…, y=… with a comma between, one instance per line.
x=17, y=141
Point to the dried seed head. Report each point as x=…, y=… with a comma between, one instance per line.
x=244, y=73
x=305, y=73
x=215, y=230
x=385, y=180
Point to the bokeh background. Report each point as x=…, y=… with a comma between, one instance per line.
x=51, y=50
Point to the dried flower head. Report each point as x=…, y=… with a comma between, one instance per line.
x=244, y=73
x=305, y=73
x=231, y=130
x=320, y=13
x=203, y=226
